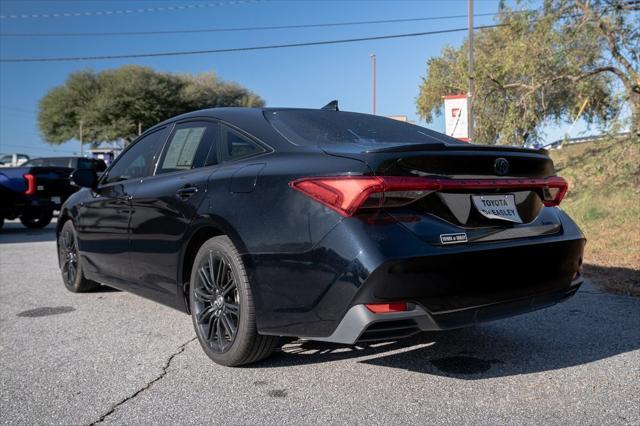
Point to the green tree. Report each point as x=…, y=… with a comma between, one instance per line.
x=112, y=104
x=542, y=66
x=64, y=107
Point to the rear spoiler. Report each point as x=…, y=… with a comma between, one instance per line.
x=456, y=147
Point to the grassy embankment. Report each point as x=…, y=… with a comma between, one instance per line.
x=604, y=199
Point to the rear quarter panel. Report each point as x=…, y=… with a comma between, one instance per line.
x=276, y=228
x=11, y=178
x=274, y=218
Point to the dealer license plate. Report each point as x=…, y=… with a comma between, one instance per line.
x=502, y=207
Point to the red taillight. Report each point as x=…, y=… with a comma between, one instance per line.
x=31, y=184
x=554, y=191
x=385, y=308
x=347, y=194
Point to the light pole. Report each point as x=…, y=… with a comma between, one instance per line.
x=470, y=70
x=81, y=138
x=373, y=87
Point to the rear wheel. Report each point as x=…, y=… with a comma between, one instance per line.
x=222, y=306
x=37, y=220
x=70, y=265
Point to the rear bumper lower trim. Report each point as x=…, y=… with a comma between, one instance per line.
x=357, y=323
x=358, y=318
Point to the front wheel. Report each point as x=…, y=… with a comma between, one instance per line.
x=37, y=220
x=70, y=265
x=222, y=306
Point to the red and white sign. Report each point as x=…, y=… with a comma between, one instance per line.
x=455, y=117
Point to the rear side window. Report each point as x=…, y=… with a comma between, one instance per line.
x=136, y=161
x=235, y=145
x=85, y=163
x=91, y=164
x=99, y=166
x=188, y=147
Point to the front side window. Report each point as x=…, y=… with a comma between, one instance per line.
x=136, y=161
x=236, y=145
x=188, y=147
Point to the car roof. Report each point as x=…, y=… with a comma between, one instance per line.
x=227, y=113
x=247, y=119
x=253, y=122
x=57, y=158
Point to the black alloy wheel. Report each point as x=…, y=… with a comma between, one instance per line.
x=217, y=302
x=37, y=220
x=222, y=308
x=68, y=256
x=69, y=260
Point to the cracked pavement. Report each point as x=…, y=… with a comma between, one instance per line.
x=165, y=368
x=112, y=357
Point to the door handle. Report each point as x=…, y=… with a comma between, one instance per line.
x=186, y=192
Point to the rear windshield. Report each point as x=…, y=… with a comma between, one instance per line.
x=48, y=162
x=311, y=127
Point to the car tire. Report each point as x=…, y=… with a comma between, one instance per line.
x=69, y=259
x=222, y=307
x=37, y=221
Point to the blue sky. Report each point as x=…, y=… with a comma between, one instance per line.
x=298, y=77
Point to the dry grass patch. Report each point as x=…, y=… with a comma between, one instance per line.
x=604, y=199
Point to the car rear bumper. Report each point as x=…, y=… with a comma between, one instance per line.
x=450, y=281
x=12, y=206
x=360, y=325
x=310, y=294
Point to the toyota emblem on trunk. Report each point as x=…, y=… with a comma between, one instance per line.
x=501, y=166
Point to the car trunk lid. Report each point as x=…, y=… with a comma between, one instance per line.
x=468, y=173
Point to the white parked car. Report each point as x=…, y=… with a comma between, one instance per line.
x=13, y=160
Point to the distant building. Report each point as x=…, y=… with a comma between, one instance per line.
x=105, y=153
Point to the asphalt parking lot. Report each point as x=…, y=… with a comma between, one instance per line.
x=112, y=357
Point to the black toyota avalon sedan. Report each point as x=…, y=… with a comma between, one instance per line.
x=320, y=224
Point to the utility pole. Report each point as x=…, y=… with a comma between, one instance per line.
x=81, y=139
x=373, y=87
x=139, y=128
x=470, y=70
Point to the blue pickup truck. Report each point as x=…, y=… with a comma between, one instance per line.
x=34, y=190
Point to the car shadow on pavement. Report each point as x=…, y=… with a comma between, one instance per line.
x=14, y=232
x=567, y=335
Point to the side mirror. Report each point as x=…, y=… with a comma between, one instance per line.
x=84, y=178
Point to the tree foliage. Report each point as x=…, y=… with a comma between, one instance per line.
x=543, y=66
x=112, y=104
